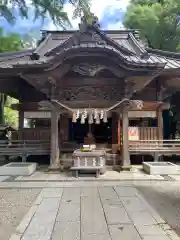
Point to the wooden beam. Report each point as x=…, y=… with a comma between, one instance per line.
x=21, y=125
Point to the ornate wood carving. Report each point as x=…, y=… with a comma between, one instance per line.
x=91, y=81
x=128, y=88
x=85, y=93
x=88, y=69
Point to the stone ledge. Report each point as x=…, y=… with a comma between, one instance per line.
x=54, y=168
x=126, y=168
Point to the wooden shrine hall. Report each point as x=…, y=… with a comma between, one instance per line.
x=107, y=83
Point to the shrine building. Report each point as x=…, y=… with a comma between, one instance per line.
x=104, y=82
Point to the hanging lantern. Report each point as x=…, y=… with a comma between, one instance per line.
x=82, y=119
x=77, y=114
x=95, y=113
x=97, y=120
x=105, y=120
x=101, y=114
x=74, y=119
x=90, y=119
x=85, y=114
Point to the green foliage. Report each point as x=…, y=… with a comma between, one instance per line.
x=10, y=116
x=82, y=8
x=158, y=22
x=10, y=43
x=43, y=8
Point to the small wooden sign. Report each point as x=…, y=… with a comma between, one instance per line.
x=133, y=133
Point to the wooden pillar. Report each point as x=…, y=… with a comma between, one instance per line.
x=54, y=140
x=21, y=125
x=126, y=163
x=160, y=123
x=159, y=114
x=64, y=127
x=119, y=134
x=114, y=132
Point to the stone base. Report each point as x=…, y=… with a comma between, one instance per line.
x=160, y=168
x=54, y=167
x=18, y=169
x=126, y=168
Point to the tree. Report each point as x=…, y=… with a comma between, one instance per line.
x=43, y=8
x=8, y=43
x=158, y=22
x=159, y=25
x=11, y=116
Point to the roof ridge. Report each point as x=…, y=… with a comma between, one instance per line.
x=164, y=53
x=142, y=50
x=104, y=35
x=101, y=34
x=14, y=55
x=106, y=31
x=28, y=51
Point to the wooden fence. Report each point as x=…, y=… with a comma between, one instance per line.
x=148, y=133
x=145, y=133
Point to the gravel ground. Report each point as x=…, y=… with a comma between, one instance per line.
x=165, y=200
x=14, y=204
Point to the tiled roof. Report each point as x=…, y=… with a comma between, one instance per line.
x=123, y=43
x=172, y=59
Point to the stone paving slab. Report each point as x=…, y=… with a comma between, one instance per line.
x=66, y=231
x=156, y=238
x=71, y=195
x=133, y=204
x=153, y=230
x=93, y=213
x=142, y=218
x=26, y=220
x=116, y=214
x=95, y=237
x=49, y=193
x=42, y=223
x=68, y=212
x=90, y=192
x=92, y=216
x=126, y=192
x=109, y=196
x=125, y=231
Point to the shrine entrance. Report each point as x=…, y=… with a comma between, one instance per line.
x=101, y=132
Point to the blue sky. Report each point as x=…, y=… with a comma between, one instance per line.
x=109, y=12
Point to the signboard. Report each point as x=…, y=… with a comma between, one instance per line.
x=38, y=114
x=133, y=133
x=142, y=114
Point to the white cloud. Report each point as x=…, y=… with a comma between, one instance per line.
x=97, y=7
x=115, y=26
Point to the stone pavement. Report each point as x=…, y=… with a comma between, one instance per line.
x=136, y=174
x=92, y=213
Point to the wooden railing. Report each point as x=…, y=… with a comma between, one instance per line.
x=148, y=133
x=24, y=148
x=155, y=147
x=145, y=133
x=39, y=134
x=25, y=144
